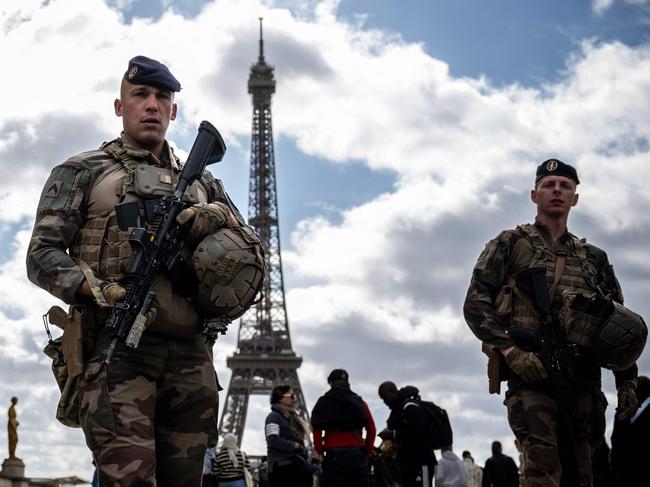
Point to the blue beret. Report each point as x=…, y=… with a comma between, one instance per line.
x=145, y=71
x=555, y=167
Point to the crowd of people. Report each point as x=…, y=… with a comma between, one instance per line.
x=343, y=452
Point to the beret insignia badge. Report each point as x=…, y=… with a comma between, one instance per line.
x=133, y=71
x=551, y=165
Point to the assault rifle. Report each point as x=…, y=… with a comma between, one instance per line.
x=156, y=242
x=556, y=354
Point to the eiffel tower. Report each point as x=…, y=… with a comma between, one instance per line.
x=264, y=357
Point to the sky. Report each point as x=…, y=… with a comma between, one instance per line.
x=406, y=136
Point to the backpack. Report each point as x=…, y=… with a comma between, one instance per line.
x=437, y=424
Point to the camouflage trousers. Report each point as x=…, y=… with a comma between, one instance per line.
x=148, y=414
x=549, y=459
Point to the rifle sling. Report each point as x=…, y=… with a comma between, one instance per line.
x=557, y=275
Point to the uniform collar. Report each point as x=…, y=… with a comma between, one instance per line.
x=546, y=235
x=168, y=157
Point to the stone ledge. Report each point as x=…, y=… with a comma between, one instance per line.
x=13, y=468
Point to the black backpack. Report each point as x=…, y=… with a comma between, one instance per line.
x=438, y=425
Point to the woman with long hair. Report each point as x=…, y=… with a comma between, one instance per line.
x=288, y=464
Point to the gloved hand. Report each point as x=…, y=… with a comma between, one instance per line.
x=206, y=218
x=526, y=365
x=112, y=292
x=627, y=400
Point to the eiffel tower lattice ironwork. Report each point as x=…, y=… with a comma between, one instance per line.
x=264, y=357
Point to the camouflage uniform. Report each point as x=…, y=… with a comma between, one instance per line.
x=148, y=415
x=494, y=305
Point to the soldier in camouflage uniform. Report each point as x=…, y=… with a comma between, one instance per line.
x=495, y=305
x=146, y=416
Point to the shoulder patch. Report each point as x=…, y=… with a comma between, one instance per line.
x=64, y=187
x=56, y=191
x=53, y=188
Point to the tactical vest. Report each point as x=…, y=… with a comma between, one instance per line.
x=568, y=272
x=99, y=242
x=130, y=176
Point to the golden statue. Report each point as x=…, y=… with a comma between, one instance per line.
x=12, y=428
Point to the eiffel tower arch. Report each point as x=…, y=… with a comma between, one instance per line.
x=264, y=357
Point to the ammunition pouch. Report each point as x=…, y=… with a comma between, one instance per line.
x=154, y=182
x=68, y=354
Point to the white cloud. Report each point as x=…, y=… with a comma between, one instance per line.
x=386, y=283
x=600, y=6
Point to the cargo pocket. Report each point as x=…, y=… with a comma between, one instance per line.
x=516, y=414
x=96, y=412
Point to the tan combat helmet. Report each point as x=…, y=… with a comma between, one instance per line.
x=621, y=339
x=229, y=265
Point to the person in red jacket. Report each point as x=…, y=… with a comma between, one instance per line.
x=338, y=420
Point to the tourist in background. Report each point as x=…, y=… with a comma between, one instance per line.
x=209, y=480
x=474, y=472
x=263, y=473
x=339, y=419
x=285, y=433
x=500, y=470
x=230, y=465
x=450, y=471
x=407, y=427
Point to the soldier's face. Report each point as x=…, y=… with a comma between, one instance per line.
x=555, y=195
x=146, y=112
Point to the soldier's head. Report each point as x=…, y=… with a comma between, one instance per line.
x=146, y=102
x=388, y=393
x=555, y=188
x=14, y=400
x=338, y=375
x=496, y=448
x=283, y=395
